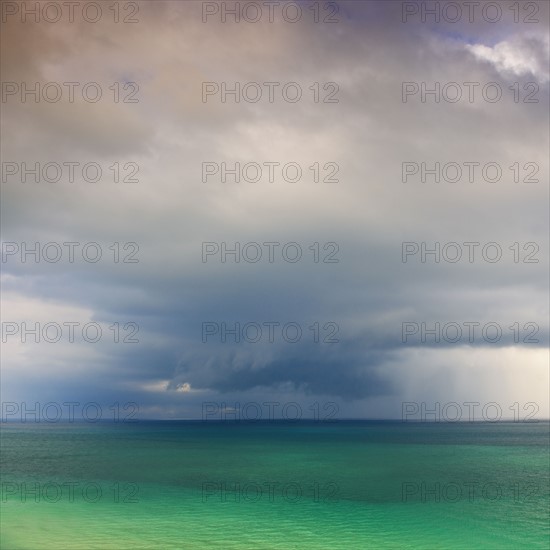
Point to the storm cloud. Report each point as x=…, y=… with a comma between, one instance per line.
x=355, y=279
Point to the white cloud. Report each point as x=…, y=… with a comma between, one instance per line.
x=519, y=56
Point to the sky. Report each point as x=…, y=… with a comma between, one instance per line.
x=346, y=266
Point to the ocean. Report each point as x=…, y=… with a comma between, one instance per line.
x=275, y=485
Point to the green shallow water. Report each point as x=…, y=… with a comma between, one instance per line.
x=342, y=486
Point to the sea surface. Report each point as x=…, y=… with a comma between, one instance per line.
x=275, y=485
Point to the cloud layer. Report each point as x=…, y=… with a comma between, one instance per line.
x=369, y=212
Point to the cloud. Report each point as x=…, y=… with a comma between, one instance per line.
x=369, y=212
x=524, y=55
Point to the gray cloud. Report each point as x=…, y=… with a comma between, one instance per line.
x=370, y=212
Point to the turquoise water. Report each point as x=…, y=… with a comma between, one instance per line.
x=341, y=485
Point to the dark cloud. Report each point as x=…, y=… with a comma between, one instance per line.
x=370, y=212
